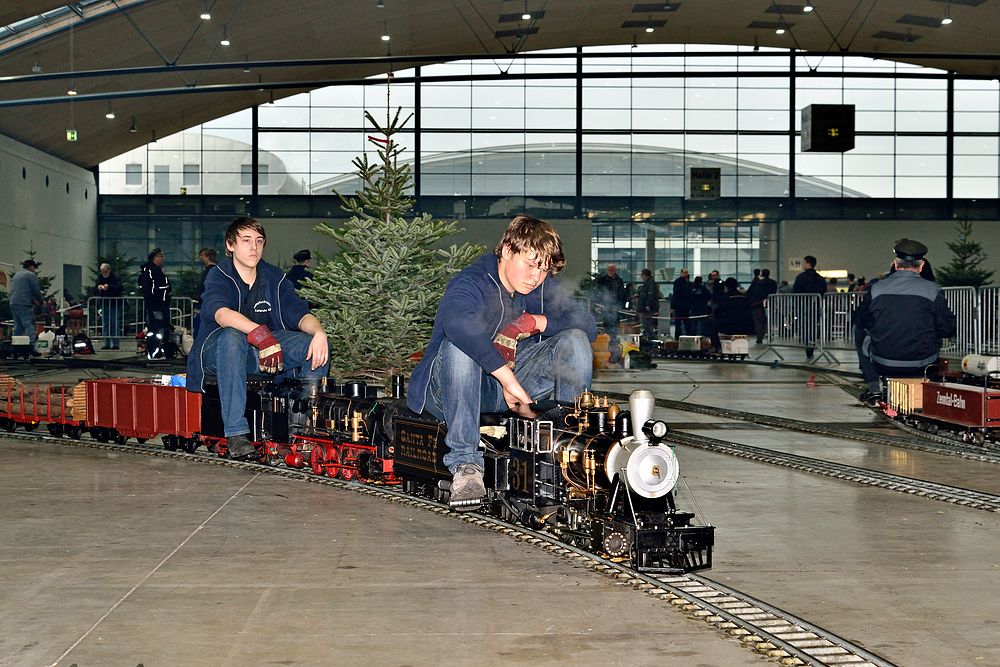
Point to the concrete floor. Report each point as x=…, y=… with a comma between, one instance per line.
x=121, y=559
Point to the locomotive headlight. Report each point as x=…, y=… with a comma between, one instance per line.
x=655, y=428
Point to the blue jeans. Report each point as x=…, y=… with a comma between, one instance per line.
x=24, y=322
x=227, y=349
x=559, y=366
x=111, y=321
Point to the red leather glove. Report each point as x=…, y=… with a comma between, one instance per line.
x=271, y=358
x=506, y=341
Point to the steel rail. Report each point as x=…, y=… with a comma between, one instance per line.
x=763, y=628
x=932, y=490
x=929, y=443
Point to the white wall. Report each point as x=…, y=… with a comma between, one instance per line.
x=60, y=225
x=864, y=247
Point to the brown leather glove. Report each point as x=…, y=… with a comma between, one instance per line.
x=506, y=341
x=271, y=358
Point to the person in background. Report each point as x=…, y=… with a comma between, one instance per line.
x=757, y=295
x=680, y=305
x=699, y=307
x=832, y=287
x=24, y=293
x=809, y=282
x=109, y=288
x=611, y=297
x=648, y=304
x=300, y=271
x=156, y=293
x=784, y=288
x=733, y=315
x=207, y=257
x=714, y=285
x=903, y=319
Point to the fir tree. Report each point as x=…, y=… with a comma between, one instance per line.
x=968, y=256
x=377, y=296
x=185, y=281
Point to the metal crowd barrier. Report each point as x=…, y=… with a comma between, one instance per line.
x=989, y=318
x=963, y=301
x=838, y=309
x=799, y=321
x=129, y=313
x=825, y=322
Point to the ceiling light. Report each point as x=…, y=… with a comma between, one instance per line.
x=379, y=5
x=72, y=90
x=385, y=32
x=133, y=128
x=111, y=112
x=947, y=15
x=649, y=29
x=526, y=16
x=780, y=31
x=37, y=69
x=154, y=137
x=205, y=16
x=225, y=37
x=808, y=8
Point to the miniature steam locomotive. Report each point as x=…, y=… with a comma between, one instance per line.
x=592, y=473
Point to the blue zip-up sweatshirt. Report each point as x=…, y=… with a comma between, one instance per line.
x=224, y=289
x=475, y=307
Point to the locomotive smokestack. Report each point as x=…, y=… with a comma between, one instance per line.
x=640, y=403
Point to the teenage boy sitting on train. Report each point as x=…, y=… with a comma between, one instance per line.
x=251, y=321
x=505, y=303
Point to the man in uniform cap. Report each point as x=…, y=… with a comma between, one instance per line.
x=902, y=319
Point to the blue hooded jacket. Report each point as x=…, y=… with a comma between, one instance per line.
x=472, y=311
x=224, y=289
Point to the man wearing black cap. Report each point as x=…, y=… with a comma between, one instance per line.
x=24, y=291
x=903, y=318
x=299, y=272
x=156, y=293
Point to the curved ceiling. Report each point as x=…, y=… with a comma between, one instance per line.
x=159, y=62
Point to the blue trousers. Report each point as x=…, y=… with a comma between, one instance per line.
x=560, y=366
x=230, y=358
x=111, y=321
x=24, y=322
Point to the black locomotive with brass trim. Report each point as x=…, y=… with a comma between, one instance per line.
x=595, y=474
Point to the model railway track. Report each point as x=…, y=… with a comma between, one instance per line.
x=760, y=627
x=933, y=444
x=932, y=490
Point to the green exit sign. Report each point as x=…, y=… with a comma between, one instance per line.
x=70, y=135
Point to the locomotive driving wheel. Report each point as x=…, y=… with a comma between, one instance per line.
x=317, y=458
x=348, y=473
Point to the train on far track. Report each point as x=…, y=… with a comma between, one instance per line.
x=965, y=404
x=597, y=475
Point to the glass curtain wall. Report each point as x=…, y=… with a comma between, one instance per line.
x=607, y=134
